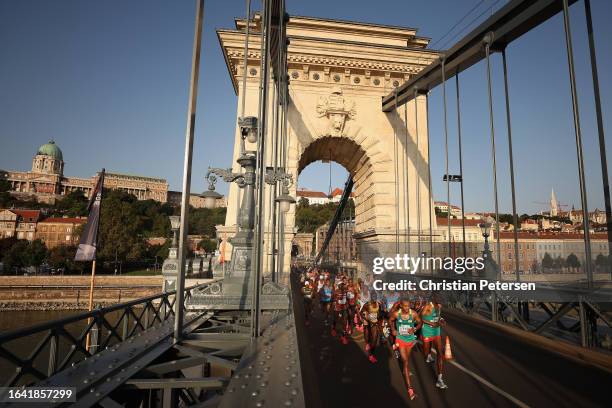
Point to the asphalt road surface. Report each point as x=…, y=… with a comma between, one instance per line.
x=488, y=370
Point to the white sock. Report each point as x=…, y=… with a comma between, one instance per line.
x=439, y=377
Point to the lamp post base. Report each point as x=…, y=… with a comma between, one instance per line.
x=235, y=292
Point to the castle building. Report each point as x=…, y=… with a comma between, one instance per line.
x=46, y=181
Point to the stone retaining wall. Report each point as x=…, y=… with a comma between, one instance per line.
x=72, y=292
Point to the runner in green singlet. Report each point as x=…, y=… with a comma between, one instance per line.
x=430, y=334
x=404, y=323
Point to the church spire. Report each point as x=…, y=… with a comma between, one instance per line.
x=554, y=204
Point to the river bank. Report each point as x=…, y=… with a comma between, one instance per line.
x=48, y=293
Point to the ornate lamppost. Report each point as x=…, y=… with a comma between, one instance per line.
x=236, y=288
x=490, y=267
x=170, y=266
x=485, y=228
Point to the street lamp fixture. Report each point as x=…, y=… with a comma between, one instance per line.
x=248, y=128
x=274, y=175
x=175, y=222
x=210, y=196
x=485, y=227
x=175, y=225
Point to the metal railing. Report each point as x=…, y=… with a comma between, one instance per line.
x=574, y=314
x=36, y=353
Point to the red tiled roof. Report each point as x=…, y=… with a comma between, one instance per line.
x=27, y=215
x=338, y=192
x=308, y=193
x=62, y=220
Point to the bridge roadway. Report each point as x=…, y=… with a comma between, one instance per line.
x=488, y=370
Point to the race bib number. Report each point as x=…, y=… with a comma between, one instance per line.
x=373, y=317
x=350, y=295
x=342, y=301
x=404, y=330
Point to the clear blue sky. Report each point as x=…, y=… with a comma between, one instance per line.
x=109, y=80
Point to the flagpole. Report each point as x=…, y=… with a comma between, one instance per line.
x=89, y=244
x=90, y=307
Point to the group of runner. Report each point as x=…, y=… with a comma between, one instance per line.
x=401, y=321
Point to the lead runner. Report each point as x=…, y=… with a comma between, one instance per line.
x=430, y=334
x=404, y=323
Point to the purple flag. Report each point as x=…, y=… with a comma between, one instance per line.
x=89, y=237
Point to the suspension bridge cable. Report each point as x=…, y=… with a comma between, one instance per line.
x=458, y=22
x=418, y=173
x=448, y=220
x=284, y=136
x=430, y=204
x=488, y=41
x=511, y=160
x=489, y=9
x=460, y=163
x=396, y=184
x=406, y=186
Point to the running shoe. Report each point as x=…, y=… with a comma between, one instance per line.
x=429, y=359
x=411, y=394
x=440, y=384
x=333, y=332
x=344, y=340
x=372, y=359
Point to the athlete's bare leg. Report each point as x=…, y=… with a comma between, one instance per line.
x=437, y=344
x=405, y=356
x=426, y=348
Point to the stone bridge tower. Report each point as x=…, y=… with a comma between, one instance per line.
x=339, y=71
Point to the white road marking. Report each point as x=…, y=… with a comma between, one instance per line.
x=488, y=384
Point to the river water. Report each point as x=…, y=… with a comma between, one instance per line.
x=23, y=347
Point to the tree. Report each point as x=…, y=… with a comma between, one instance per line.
x=303, y=202
x=6, y=244
x=14, y=257
x=35, y=253
x=440, y=213
x=202, y=221
x=62, y=256
x=5, y=186
x=547, y=261
x=572, y=261
x=207, y=245
x=121, y=228
x=601, y=261
x=73, y=204
x=507, y=218
x=559, y=262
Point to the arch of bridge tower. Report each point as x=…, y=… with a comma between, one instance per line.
x=338, y=73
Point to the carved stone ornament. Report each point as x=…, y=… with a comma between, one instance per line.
x=337, y=110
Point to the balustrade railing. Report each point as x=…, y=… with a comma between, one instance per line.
x=35, y=353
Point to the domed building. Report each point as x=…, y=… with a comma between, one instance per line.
x=48, y=159
x=46, y=181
